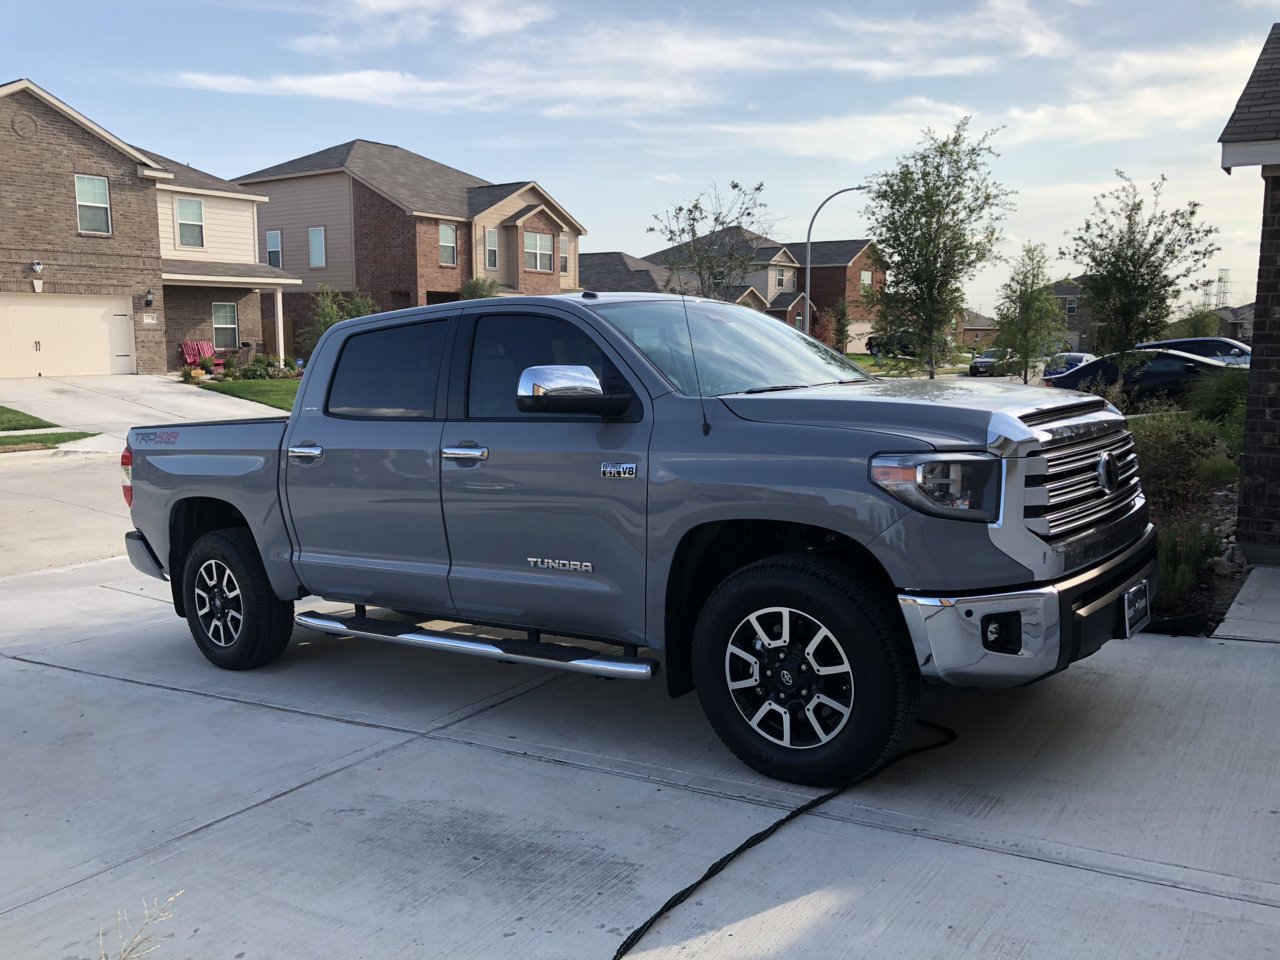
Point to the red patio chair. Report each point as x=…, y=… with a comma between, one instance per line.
x=206, y=350
x=190, y=353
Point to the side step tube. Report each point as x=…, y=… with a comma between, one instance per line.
x=555, y=655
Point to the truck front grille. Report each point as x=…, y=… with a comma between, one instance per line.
x=1077, y=490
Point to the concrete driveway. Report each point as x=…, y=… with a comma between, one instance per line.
x=366, y=800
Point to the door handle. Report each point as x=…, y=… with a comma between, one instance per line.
x=465, y=453
x=306, y=453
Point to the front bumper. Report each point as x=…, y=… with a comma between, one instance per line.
x=142, y=556
x=1061, y=622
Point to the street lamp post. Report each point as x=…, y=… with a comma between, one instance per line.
x=808, y=251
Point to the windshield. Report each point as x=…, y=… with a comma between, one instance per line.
x=992, y=355
x=737, y=349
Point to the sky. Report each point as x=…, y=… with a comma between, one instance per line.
x=622, y=110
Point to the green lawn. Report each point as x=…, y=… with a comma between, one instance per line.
x=39, y=441
x=11, y=419
x=274, y=393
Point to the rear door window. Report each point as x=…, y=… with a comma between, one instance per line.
x=389, y=374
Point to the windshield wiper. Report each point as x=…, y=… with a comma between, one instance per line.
x=781, y=386
x=841, y=383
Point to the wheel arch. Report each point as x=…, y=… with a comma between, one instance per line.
x=710, y=552
x=189, y=519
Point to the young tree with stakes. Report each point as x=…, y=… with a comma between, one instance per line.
x=936, y=218
x=1138, y=261
x=1030, y=323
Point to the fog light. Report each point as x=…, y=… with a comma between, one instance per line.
x=1002, y=632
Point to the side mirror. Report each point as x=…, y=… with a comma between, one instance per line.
x=1237, y=352
x=567, y=389
x=1191, y=367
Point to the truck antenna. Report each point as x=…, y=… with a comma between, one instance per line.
x=702, y=404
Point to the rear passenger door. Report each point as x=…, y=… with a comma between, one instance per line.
x=362, y=472
x=544, y=530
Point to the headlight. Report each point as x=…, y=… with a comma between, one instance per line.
x=965, y=486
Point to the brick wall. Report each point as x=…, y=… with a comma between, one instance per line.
x=39, y=157
x=1259, y=525
x=189, y=316
x=833, y=283
x=539, y=282
x=435, y=277
x=385, y=250
x=298, y=310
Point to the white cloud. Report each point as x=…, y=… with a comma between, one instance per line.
x=389, y=23
x=1010, y=26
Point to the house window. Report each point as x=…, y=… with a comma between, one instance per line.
x=537, y=251
x=93, y=204
x=1071, y=306
x=564, y=254
x=866, y=280
x=491, y=248
x=448, y=245
x=782, y=278
x=226, y=330
x=274, y=257
x=315, y=244
x=190, y=222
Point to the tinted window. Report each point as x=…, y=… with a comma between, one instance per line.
x=390, y=373
x=505, y=346
x=1166, y=364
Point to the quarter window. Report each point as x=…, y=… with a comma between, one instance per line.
x=564, y=254
x=315, y=247
x=274, y=256
x=448, y=244
x=537, y=252
x=226, y=327
x=491, y=248
x=506, y=346
x=93, y=204
x=190, y=222
x=389, y=374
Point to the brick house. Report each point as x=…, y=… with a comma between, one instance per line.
x=111, y=255
x=976, y=330
x=1082, y=326
x=1251, y=138
x=407, y=230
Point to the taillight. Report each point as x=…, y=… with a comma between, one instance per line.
x=126, y=468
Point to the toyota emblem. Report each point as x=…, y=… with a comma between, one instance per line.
x=1108, y=472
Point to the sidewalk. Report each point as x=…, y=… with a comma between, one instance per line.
x=1255, y=614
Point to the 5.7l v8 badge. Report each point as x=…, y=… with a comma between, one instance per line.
x=618, y=471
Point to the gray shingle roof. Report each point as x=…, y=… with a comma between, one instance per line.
x=617, y=272
x=411, y=180
x=785, y=299
x=1257, y=112
x=733, y=238
x=187, y=176
x=976, y=321
x=208, y=268
x=829, y=253
x=480, y=199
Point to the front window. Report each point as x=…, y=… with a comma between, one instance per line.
x=448, y=244
x=782, y=278
x=564, y=254
x=190, y=222
x=866, y=280
x=737, y=349
x=1071, y=306
x=491, y=248
x=315, y=247
x=537, y=251
x=226, y=328
x=274, y=257
x=93, y=204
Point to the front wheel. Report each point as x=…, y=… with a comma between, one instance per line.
x=235, y=617
x=804, y=670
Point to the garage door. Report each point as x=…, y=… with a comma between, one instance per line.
x=52, y=335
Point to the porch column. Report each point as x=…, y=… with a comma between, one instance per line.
x=280, y=324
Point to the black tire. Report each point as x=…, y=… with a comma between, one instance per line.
x=875, y=663
x=265, y=621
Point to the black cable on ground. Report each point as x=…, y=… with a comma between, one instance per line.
x=948, y=737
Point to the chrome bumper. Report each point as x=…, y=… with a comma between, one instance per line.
x=1061, y=622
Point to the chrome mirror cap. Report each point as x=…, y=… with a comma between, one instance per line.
x=560, y=380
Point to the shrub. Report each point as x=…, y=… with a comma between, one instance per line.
x=1170, y=448
x=1183, y=547
x=206, y=364
x=1218, y=469
x=1218, y=397
x=188, y=373
x=330, y=307
x=479, y=288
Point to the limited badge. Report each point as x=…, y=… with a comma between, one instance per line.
x=618, y=471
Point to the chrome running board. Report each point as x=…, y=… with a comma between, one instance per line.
x=555, y=655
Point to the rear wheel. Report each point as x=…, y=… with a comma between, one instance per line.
x=804, y=670
x=235, y=617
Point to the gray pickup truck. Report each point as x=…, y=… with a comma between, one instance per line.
x=632, y=480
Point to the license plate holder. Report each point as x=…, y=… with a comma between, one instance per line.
x=1137, y=607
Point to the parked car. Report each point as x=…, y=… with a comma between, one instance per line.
x=1167, y=373
x=1062, y=362
x=1215, y=348
x=899, y=344
x=988, y=362
x=686, y=483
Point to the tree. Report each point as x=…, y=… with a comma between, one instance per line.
x=841, y=323
x=713, y=239
x=1030, y=323
x=936, y=218
x=1197, y=323
x=479, y=288
x=327, y=308
x=824, y=328
x=1138, y=261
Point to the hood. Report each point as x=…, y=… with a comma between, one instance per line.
x=951, y=413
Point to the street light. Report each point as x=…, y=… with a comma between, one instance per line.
x=808, y=251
